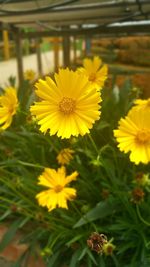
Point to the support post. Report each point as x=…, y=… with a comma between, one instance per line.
x=87, y=46
x=39, y=58
x=74, y=50
x=66, y=50
x=19, y=55
x=56, y=53
x=6, y=45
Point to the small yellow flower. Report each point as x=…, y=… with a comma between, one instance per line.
x=142, y=179
x=8, y=107
x=65, y=156
x=96, y=73
x=133, y=135
x=108, y=248
x=29, y=75
x=67, y=107
x=57, y=193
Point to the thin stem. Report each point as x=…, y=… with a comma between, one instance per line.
x=52, y=145
x=93, y=143
x=140, y=216
x=22, y=111
x=6, y=164
x=30, y=164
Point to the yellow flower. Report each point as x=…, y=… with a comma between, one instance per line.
x=57, y=193
x=29, y=75
x=8, y=107
x=68, y=107
x=133, y=135
x=96, y=73
x=65, y=156
x=108, y=248
x=142, y=103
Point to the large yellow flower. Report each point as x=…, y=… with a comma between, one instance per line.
x=133, y=135
x=57, y=193
x=96, y=73
x=142, y=103
x=69, y=106
x=8, y=107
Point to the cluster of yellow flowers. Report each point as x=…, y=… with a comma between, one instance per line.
x=69, y=105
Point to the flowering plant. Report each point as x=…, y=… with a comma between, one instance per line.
x=64, y=182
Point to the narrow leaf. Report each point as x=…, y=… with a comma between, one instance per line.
x=103, y=209
x=9, y=234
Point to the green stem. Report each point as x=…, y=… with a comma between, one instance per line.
x=22, y=112
x=30, y=164
x=140, y=217
x=93, y=143
x=52, y=145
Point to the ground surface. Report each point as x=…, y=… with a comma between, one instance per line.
x=4, y=263
x=8, y=68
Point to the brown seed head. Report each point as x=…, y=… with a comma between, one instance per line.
x=96, y=242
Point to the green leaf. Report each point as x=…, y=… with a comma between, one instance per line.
x=74, y=239
x=74, y=260
x=52, y=260
x=9, y=234
x=103, y=209
x=84, y=251
x=5, y=215
x=101, y=261
x=102, y=125
x=91, y=257
x=109, y=168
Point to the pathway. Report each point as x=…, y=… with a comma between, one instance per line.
x=9, y=68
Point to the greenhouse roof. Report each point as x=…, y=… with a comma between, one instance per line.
x=60, y=17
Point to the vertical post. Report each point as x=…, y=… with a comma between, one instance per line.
x=56, y=53
x=87, y=46
x=39, y=59
x=66, y=50
x=19, y=56
x=74, y=50
x=83, y=49
x=6, y=45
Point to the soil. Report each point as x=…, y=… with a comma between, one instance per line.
x=5, y=263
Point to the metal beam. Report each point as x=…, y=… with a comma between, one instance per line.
x=76, y=7
x=100, y=30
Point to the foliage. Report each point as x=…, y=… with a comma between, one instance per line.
x=104, y=201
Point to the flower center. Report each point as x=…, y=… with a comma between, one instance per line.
x=143, y=137
x=67, y=105
x=92, y=77
x=58, y=188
